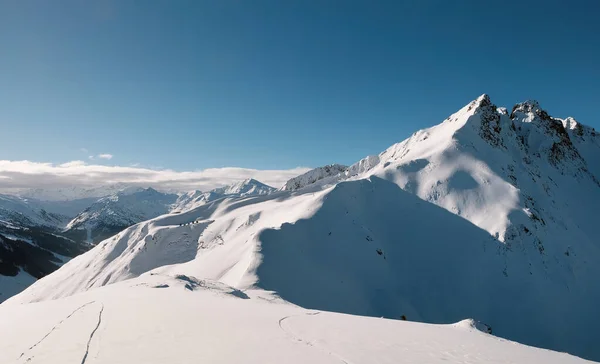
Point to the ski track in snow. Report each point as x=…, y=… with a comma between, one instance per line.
x=87, y=349
x=54, y=328
x=305, y=341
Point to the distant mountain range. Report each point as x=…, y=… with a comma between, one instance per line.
x=73, y=193
x=38, y=236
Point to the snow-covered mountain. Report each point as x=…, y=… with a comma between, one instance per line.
x=31, y=244
x=74, y=192
x=17, y=211
x=39, y=235
x=116, y=212
x=33, y=239
x=489, y=215
x=113, y=213
x=194, y=199
x=245, y=188
x=31, y=253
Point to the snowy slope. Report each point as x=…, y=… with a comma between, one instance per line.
x=22, y=212
x=503, y=173
x=194, y=199
x=488, y=215
x=29, y=254
x=30, y=242
x=36, y=244
x=124, y=208
x=69, y=208
x=113, y=213
x=161, y=319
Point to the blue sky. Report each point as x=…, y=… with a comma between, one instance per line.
x=272, y=84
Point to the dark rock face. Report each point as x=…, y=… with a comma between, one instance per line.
x=490, y=122
x=313, y=176
x=534, y=131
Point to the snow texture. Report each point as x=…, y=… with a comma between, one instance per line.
x=155, y=319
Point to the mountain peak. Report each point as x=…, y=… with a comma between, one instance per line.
x=528, y=104
x=245, y=187
x=483, y=116
x=248, y=182
x=483, y=100
x=251, y=181
x=530, y=111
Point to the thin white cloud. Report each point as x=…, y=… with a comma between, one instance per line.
x=27, y=174
x=83, y=150
x=72, y=164
x=105, y=156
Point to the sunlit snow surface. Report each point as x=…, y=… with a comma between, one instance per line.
x=160, y=319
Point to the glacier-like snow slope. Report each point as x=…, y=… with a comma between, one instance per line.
x=488, y=215
x=159, y=319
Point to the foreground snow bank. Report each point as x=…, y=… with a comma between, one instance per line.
x=160, y=319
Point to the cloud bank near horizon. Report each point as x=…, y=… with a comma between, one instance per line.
x=18, y=175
